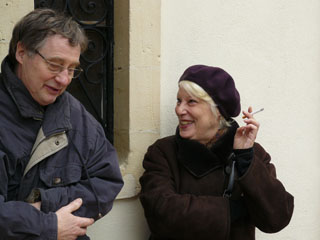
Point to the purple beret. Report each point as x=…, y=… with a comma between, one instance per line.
x=219, y=85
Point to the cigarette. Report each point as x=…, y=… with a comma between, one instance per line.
x=260, y=110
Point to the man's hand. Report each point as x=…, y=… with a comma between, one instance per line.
x=70, y=226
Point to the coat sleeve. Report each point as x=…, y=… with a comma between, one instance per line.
x=269, y=205
x=98, y=191
x=20, y=220
x=178, y=216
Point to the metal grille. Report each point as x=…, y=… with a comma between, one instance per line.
x=94, y=88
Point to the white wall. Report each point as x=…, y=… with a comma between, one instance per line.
x=272, y=50
x=124, y=222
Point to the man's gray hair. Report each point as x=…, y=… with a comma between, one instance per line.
x=34, y=29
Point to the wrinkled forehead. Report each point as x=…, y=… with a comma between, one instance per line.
x=58, y=48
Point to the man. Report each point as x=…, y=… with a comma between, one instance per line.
x=58, y=172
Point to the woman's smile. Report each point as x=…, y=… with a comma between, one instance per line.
x=185, y=124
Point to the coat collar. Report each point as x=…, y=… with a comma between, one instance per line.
x=200, y=160
x=55, y=117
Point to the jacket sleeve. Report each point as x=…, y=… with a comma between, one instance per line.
x=174, y=215
x=98, y=187
x=269, y=205
x=20, y=220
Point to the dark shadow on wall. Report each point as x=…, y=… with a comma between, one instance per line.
x=121, y=79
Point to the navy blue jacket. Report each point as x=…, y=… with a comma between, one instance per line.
x=60, y=151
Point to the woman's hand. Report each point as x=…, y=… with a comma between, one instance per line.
x=246, y=135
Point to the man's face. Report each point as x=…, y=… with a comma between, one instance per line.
x=44, y=85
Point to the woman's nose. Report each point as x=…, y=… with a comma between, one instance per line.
x=180, y=109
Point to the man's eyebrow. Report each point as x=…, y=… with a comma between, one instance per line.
x=76, y=64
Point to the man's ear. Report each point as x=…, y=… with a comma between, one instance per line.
x=20, y=52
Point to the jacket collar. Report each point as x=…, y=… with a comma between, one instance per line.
x=200, y=160
x=55, y=117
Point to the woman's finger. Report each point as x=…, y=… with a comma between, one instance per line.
x=252, y=121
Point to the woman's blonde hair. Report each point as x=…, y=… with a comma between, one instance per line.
x=195, y=90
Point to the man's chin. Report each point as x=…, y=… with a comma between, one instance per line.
x=46, y=102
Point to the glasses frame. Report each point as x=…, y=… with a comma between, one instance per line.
x=75, y=71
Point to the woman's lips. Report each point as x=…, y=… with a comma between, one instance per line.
x=185, y=123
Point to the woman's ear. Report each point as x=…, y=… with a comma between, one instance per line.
x=218, y=113
x=20, y=52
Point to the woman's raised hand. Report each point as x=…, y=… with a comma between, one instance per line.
x=246, y=135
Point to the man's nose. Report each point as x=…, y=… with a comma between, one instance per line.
x=63, y=77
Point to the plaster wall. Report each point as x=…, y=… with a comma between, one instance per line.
x=272, y=50
x=137, y=85
x=10, y=12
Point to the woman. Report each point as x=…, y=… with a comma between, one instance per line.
x=211, y=180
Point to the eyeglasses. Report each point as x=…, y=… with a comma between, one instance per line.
x=57, y=68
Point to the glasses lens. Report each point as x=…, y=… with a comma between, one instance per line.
x=76, y=72
x=53, y=67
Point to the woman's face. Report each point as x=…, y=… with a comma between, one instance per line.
x=196, y=120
